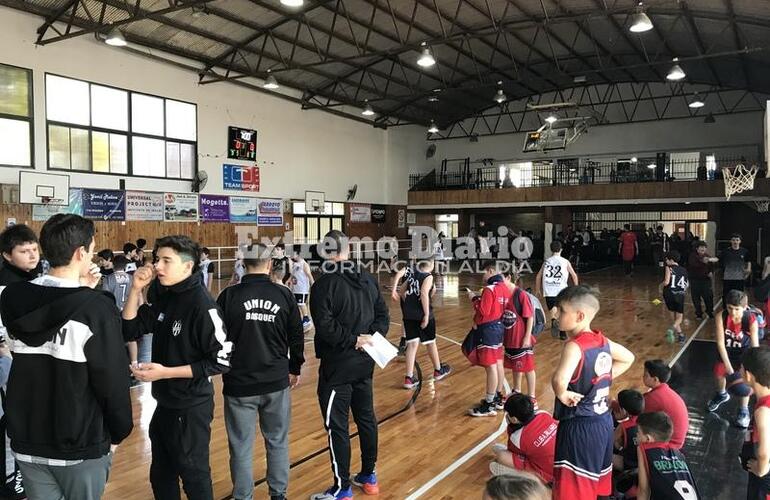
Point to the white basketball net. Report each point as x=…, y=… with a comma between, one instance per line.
x=762, y=205
x=739, y=179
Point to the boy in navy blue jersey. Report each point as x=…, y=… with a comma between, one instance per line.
x=419, y=322
x=674, y=285
x=589, y=362
x=663, y=471
x=755, y=455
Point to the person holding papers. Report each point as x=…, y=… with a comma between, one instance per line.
x=347, y=308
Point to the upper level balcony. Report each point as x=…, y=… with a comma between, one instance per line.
x=656, y=179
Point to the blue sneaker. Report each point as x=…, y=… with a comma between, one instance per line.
x=346, y=494
x=718, y=400
x=367, y=482
x=744, y=419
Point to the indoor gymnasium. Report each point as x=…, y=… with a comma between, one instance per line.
x=395, y=249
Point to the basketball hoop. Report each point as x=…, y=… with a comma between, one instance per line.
x=739, y=179
x=762, y=205
x=45, y=200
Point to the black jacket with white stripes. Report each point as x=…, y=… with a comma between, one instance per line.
x=345, y=302
x=263, y=322
x=68, y=396
x=187, y=329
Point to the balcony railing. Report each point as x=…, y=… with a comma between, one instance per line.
x=459, y=174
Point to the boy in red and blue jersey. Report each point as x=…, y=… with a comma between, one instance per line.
x=736, y=332
x=755, y=455
x=589, y=362
x=483, y=345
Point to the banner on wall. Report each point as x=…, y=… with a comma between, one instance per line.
x=144, y=206
x=269, y=213
x=215, y=208
x=241, y=143
x=243, y=209
x=180, y=207
x=378, y=214
x=45, y=212
x=102, y=204
x=240, y=178
x=360, y=212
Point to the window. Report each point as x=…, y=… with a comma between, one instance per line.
x=100, y=129
x=16, y=114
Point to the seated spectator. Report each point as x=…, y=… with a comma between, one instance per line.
x=531, y=440
x=663, y=398
x=630, y=405
x=519, y=486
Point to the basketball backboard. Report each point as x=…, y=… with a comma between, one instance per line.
x=44, y=189
x=315, y=201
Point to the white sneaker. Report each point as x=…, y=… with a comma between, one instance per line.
x=498, y=447
x=498, y=469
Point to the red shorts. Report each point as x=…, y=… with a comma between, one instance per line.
x=488, y=356
x=520, y=360
x=721, y=371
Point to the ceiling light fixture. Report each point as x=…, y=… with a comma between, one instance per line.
x=368, y=111
x=651, y=166
x=640, y=21
x=433, y=129
x=634, y=159
x=500, y=97
x=270, y=82
x=433, y=98
x=426, y=59
x=676, y=73
x=292, y=3
x=551, y=119
x=115, y=38
x=696, y=102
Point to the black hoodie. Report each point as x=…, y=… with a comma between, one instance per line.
x=12, y=274
x=345, y=302
x=68, y=392
x=188, y=330
x=264, y=325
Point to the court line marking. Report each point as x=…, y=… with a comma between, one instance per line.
x=692, y=337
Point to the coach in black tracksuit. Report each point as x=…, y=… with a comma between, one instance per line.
x=263, y=323
x=347, y=308
x=189, y=345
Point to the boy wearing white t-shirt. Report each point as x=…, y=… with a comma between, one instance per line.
x=552, y=278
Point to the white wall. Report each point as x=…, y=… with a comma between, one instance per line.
x=741, y=132
x=311, y=150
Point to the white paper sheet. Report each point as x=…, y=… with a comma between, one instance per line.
x=381, y=351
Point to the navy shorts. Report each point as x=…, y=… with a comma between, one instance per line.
x=583, y=459
x=674, y=302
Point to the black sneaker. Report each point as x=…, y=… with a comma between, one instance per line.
x=718, y=400
x=499, y=401
x=442, y=372
x=483, y=409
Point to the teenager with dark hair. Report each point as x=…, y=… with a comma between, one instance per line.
x=104, y=260
x=347, y=309
x=263, y=323
x=189, y=345
x=661, y=397
x=736, y=265
x=699, y=269
x=206, y=268
x=21, y=262
x=130, y=252
x=69, y=388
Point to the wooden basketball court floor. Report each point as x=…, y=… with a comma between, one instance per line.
x=432, y=449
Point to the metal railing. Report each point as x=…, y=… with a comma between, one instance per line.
x=573, y=172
